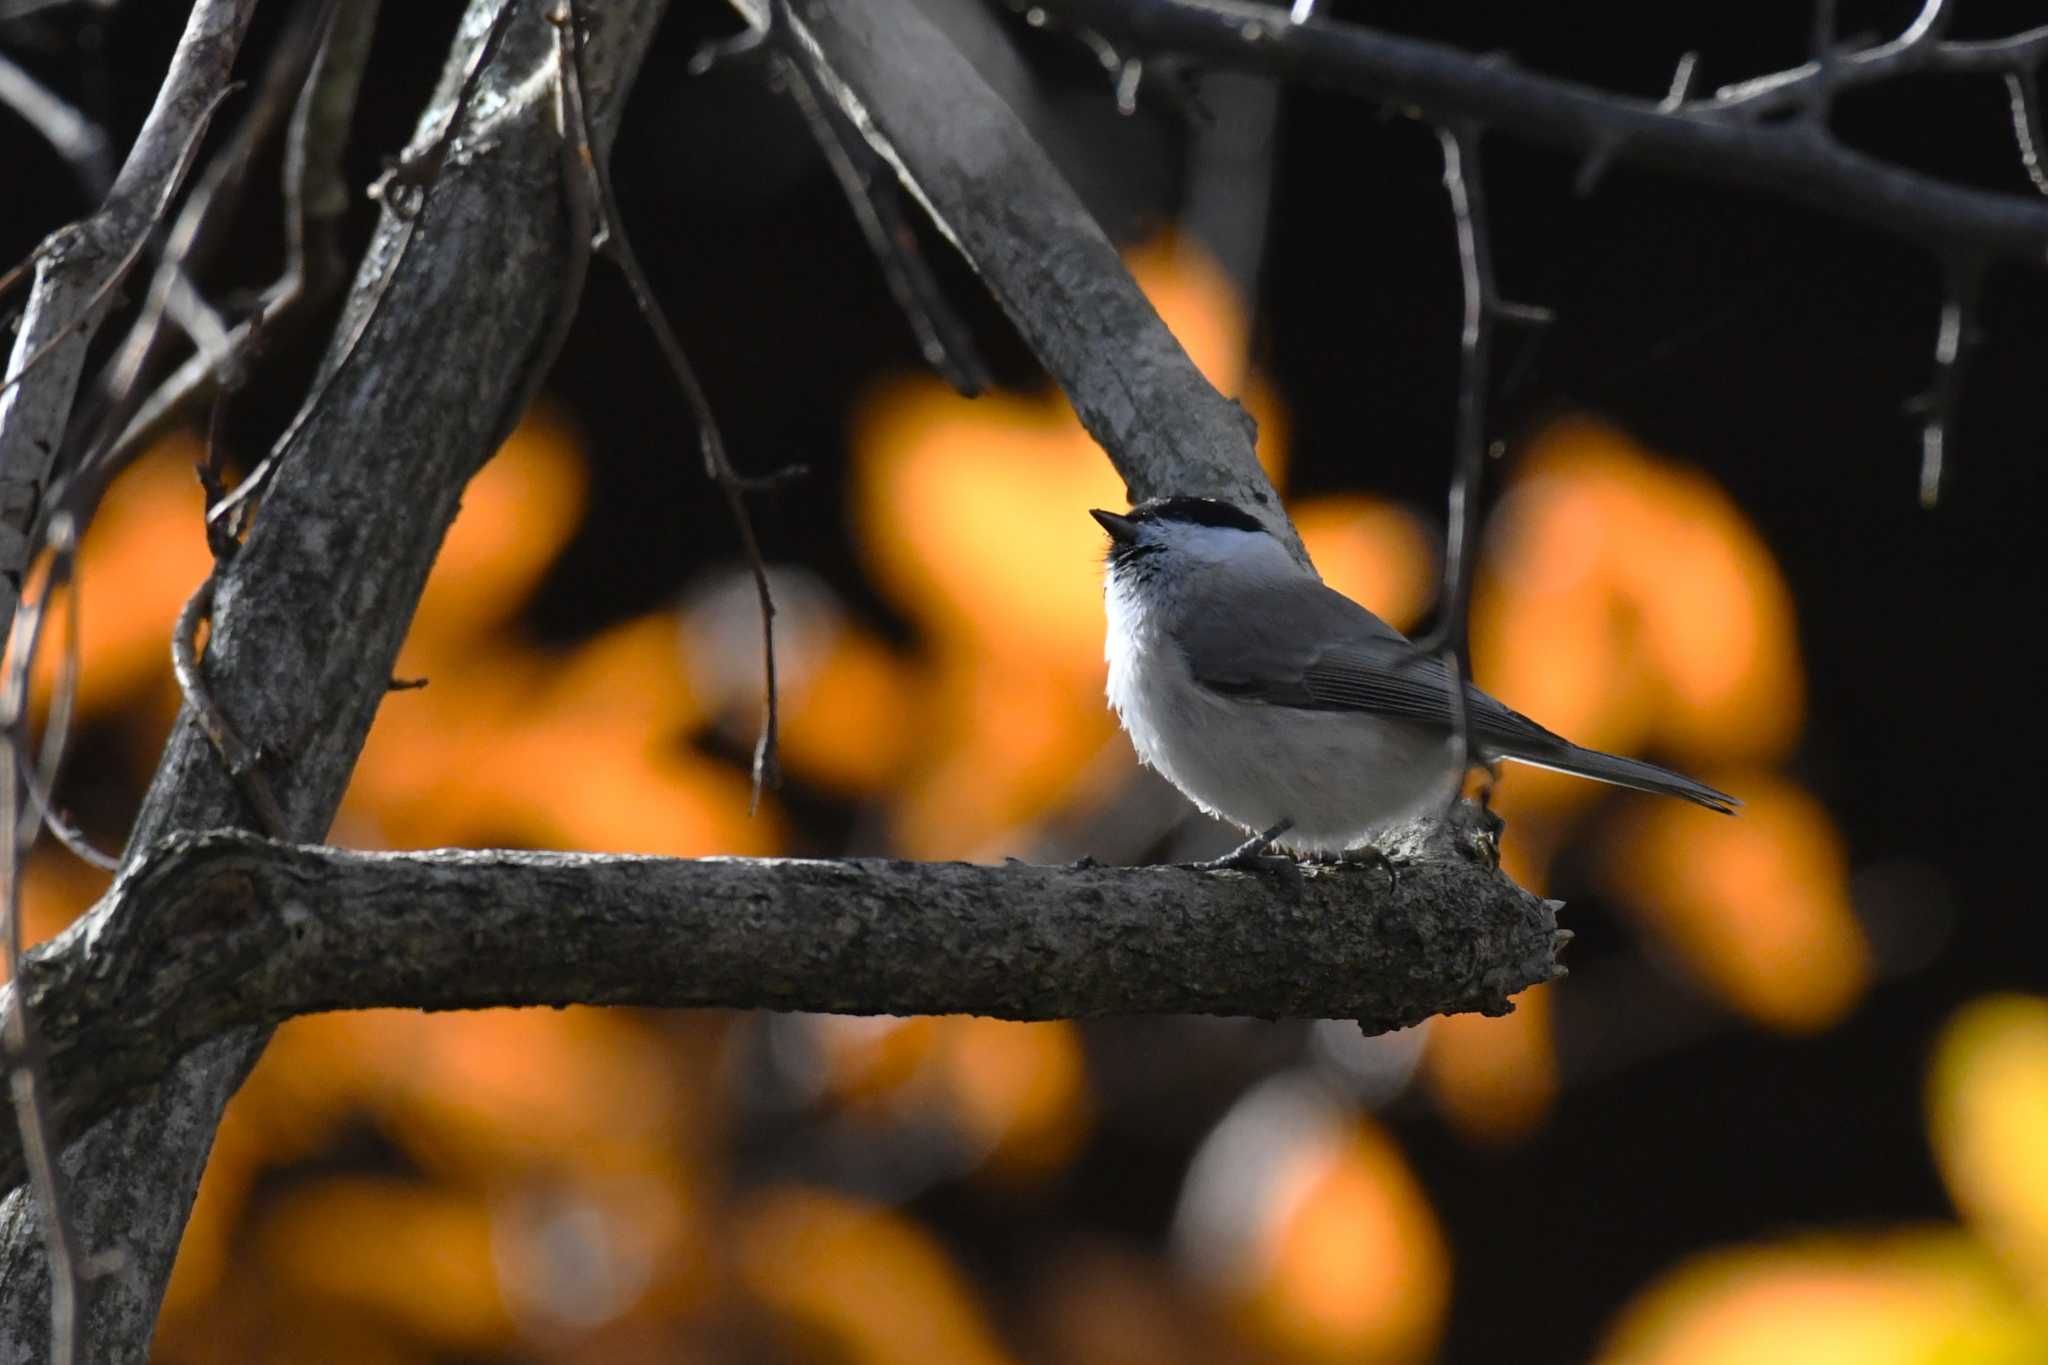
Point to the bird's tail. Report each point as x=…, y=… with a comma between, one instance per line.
x=1628, y=772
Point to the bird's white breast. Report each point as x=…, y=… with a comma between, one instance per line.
x=1340, y=776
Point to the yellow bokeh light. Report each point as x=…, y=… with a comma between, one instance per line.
x=1908, y=1299
x=1988, y=1113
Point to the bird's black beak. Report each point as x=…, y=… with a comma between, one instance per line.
x=1121, y=529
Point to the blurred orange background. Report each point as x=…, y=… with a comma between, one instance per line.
x=608, y=1185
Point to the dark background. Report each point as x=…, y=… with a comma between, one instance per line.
x=1775, y=347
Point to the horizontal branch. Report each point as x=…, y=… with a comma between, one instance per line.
x=1793, y=161
x=217, y=931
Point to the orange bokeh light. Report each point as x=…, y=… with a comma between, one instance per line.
x=1353, y=1267
x=1494, y=1078
x=1757, y=905
x=873, y=1283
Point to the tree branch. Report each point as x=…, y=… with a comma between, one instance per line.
x=992, y=191
x=76, y=268
x=1698, y=138
x=216, y=932
x=311, y=613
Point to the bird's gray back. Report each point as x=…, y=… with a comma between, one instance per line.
x=1300, y=644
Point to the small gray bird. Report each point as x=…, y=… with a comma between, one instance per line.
x=1286, y=708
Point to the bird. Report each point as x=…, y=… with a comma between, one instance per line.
x=1280, y=705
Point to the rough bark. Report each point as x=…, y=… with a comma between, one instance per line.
x=988, y=186
x=311, y=612
x=216, y=932
x=458, y=311
x=75, y=267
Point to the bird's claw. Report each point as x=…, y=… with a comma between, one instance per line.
x=1370, y=856
x=1252, y=856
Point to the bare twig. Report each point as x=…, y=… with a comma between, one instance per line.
x=295, y=70
x=244, y=764
x=27, y=1070
x=23, y=366
x=402, y=189
x=311, y=612
x=1920, y=47
x=74, y=137
x=73, y=268
x=405, y=181
x=618, y=247
x=1468, y=461
x=2023, y=94
x=1717, y=139
x=1475, y=349
x=1954, y=343
x=870, y=188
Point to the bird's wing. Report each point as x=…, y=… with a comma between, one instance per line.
x=1305, y=646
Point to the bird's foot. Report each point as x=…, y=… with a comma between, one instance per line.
x=1252, y=856
x=1370, y=856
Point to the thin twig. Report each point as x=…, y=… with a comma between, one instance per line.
x=1719, y=138
x=406, y=181
x=614, y=244
x=40, y=780
x=27, y=1068
x=243, y=763
x=402, y=189
x=134, y=250
x=2023, y=94
x=1954, y=343
x=74, y=137
x=190, y=244
x=1475, y=351
x=1820, y=94
x=1467, y=194
x=1919, y=46
x=871, y=191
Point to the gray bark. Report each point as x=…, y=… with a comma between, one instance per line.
x=75, y=265
x=460, y=310
x=311, y=612
x=990, y=189
x=217, y=932
x=1720, y=138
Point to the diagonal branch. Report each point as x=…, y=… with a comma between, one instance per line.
x=968, y=160
x=215, y=932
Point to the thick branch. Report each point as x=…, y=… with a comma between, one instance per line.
x=458, y=308
x=961, y=151
x=1785, y=160
x=218, y=931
